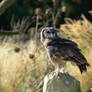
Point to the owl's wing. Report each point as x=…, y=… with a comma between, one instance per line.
x=66, y=41
x=69, y=51
x=63, y=48
x=61, y=41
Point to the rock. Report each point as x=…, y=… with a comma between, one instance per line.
x=61, y=83
x=90, y=90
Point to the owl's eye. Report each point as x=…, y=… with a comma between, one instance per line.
x=48, y=32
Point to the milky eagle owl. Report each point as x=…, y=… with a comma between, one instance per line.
x=60, y=50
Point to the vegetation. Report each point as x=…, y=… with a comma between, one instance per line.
x=20, y=8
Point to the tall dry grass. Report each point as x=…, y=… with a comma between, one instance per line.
x=28, y=63
x=23, y=71
x=16, y=65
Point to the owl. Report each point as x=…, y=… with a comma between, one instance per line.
x=60, y=50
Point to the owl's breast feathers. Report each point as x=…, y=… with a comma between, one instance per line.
x=63, y=49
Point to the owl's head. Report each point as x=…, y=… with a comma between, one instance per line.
x=48, y=33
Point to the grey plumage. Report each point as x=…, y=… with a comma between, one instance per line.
x=62, y=50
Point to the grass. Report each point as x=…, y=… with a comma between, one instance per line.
x=24, y=71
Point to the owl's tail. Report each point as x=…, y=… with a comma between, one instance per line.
x=83, y=67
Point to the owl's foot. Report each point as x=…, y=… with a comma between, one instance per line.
x=57, y=72
x=64, y=73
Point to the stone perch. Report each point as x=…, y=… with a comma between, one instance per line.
x=61, y=83
x=90, y=90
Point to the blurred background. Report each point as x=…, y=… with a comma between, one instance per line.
x=23, y=59
x=65, y=8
